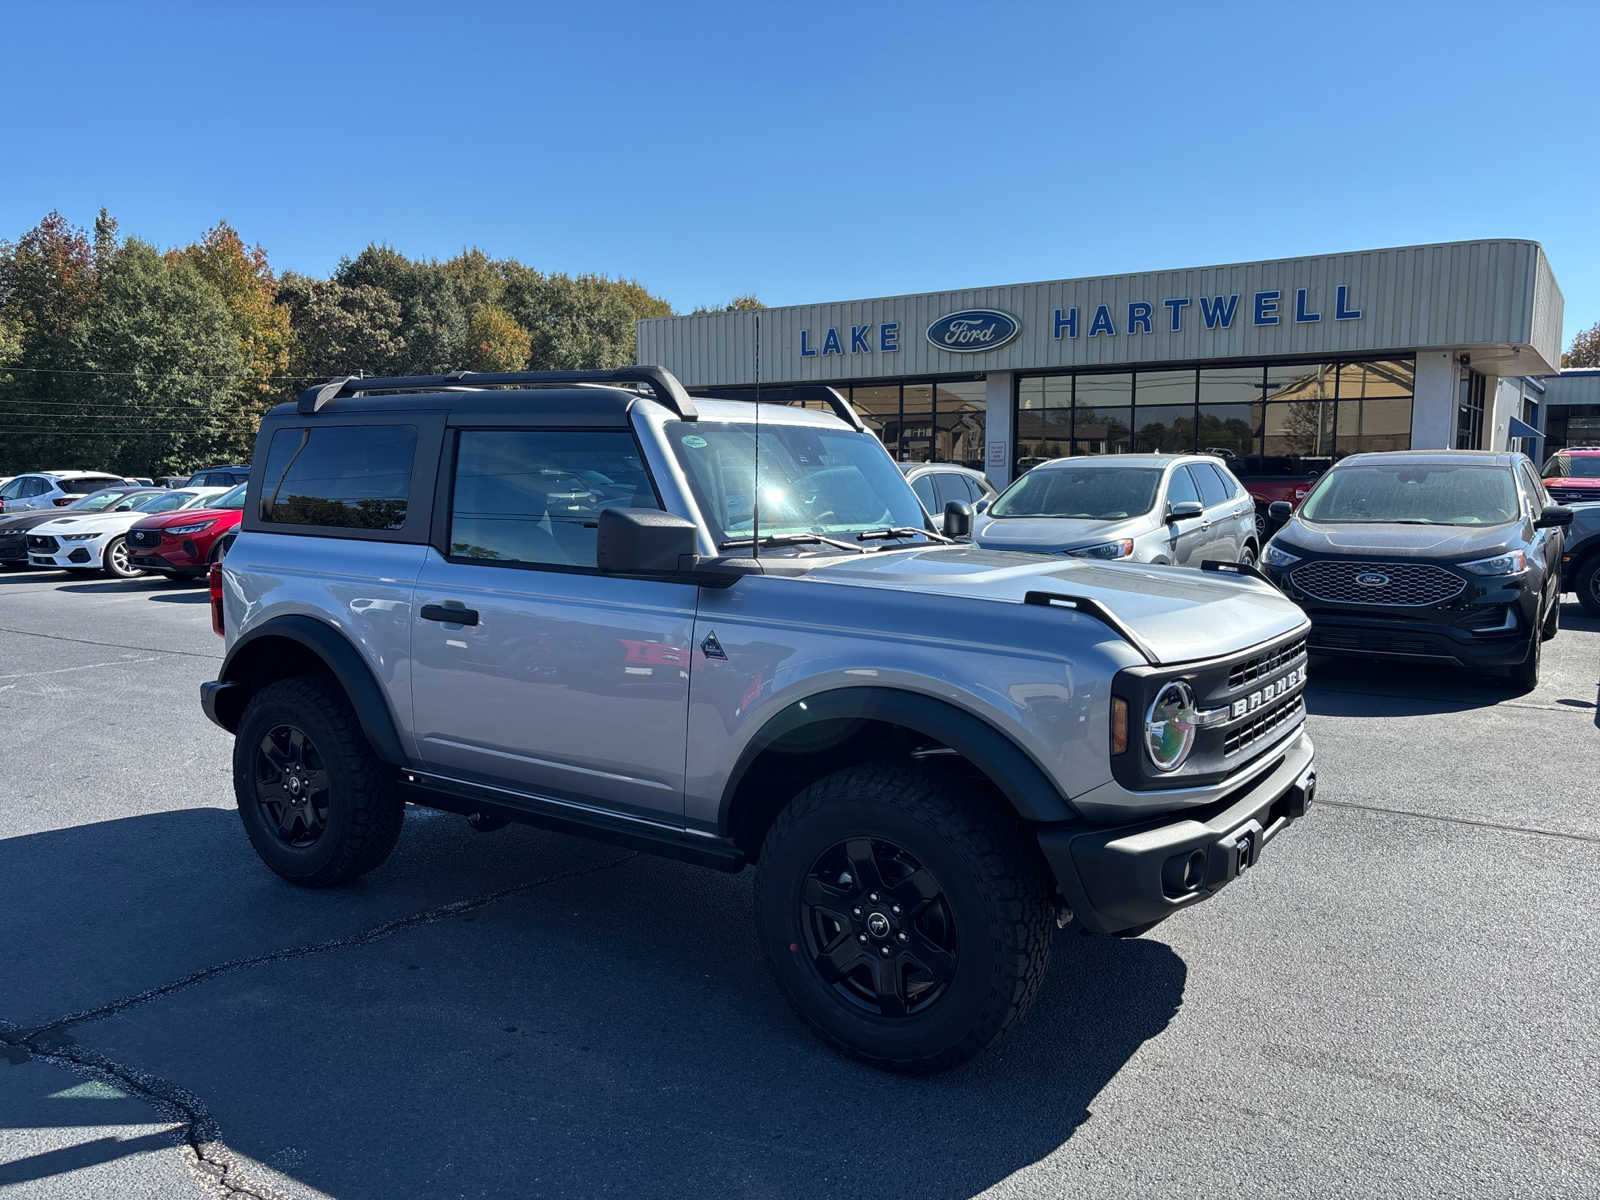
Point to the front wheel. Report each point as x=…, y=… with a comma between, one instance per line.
x=1552, y=619
x=1524, y=677
x=318, y=805
x=117, y=562
x=906, y=920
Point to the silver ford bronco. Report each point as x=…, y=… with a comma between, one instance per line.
x=727, y=632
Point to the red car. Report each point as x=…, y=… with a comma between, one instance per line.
x=1269, y=477
x=188, y=540
x=1573, y=474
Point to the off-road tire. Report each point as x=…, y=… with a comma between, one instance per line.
x=995, y=883
x=364, y=811
x=1587, y=584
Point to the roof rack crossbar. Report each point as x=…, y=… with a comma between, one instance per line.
x=790, y=393
x=661, y=383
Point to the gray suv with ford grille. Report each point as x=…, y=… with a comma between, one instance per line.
x=728, y=633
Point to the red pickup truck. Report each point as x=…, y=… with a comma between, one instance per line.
x=1573, y=474
x=1269, y=477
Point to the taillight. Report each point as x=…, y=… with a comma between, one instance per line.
x=214, y=579
x=62, y=501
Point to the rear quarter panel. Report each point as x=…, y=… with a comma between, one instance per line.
x=361, y=588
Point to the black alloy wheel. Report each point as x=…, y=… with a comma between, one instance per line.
x=1587, y=585
x=291, y=786
x=877, y=927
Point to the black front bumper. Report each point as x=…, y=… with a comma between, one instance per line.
x=1125, y=878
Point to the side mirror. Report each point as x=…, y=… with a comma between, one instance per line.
x=1554, y=516
x=957, y=519
x=645, y=541
x=1280, y=511
x=1186, y=510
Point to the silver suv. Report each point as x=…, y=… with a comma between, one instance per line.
x=726, y=633
x=1175, y=509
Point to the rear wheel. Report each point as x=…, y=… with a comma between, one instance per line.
x=908, y=922
x=1247, y=556
x=117, y=562
x=318, y=805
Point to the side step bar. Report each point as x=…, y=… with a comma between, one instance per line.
x=562, y=816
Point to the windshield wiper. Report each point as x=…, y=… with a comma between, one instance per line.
x=900, y=531
x=789, y=539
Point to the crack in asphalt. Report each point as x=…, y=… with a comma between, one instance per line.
x=199, y=1138
x=1476, y=824
x=56, y=637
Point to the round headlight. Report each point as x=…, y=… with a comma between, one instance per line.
x=1169, y=726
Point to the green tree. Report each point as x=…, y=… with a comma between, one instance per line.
x=341, y=330
x=249, y=289
x=163, y=363
x=432, y=315
x=1585, y=348
x=745, y=303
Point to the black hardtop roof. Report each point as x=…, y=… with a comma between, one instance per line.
x=581, y=397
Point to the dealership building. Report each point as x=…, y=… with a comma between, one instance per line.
x=1298, y=358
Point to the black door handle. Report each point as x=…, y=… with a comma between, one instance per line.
x=450, y=614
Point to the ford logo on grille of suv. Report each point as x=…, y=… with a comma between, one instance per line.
x=973, y=330
x=1372, y=579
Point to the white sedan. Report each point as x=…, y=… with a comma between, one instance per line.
x=98, y=541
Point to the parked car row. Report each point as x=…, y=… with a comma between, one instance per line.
x=125, y=531
x=58, y=489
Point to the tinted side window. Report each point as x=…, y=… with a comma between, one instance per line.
x=1230, y=482
x=36, y=487
x=948, y=486
x=1209, y=483
x=534, y=496
x=346, y=477
x=1181, y=487
x=922, y=485
x=1536, y=493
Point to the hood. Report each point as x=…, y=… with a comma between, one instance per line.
x=1180, y=614
x=100, y=522
x=1055, y=534
x=188, y=516
x=1443, y=542
x=29, y=519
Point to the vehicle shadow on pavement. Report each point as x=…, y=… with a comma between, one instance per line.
x=111, y=587
x=604, y=1026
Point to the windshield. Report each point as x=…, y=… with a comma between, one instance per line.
x=1573, y=466
x=163, y=501
x=1415, y=493
x=232, y=498
x=95, y=501
x=813, y=480
x=1083, y=492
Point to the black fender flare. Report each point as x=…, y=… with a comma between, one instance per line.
x=1020, y=779
x=342, y=660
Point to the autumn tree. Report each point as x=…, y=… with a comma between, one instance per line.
x=1585, y=348
x=495, y=342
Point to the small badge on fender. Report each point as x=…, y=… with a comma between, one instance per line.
x=712, y=648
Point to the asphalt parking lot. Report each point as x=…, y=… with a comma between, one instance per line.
x=1403, y=998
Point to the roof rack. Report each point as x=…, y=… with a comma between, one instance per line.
x=790, y=393
x=661, y=383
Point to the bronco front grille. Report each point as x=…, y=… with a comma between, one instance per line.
x=1265, y=664
x=1396, y=584
x=43, y=545
x=1251, y=732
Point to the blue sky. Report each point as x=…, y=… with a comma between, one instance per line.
x=815, y=152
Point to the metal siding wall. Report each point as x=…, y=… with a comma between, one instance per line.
x=1450, y=294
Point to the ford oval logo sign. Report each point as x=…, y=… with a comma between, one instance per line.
x=1372, y=579
x=973, y=330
